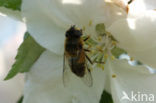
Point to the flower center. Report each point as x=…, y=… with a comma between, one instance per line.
x=101, y=46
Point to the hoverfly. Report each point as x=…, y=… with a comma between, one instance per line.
x=75, y=58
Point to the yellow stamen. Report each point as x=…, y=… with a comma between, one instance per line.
x=106, y=56
x=89, y=46
x=112, y=57
x=93, y=51
x=90, y=23
x=114, y=43
x=99, y=38
x=113, y=76
x=99, y=48
x=83, y=28
x=131, y=59
x=103, y=68
x=108, y=33
x=100, y=66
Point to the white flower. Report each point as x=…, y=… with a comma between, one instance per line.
x=11, y=38
x=48, y=20
x=130, y=80
x=138, y=36
x=57, y=16
x=44, y=83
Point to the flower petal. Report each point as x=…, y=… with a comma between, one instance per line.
x=48, y=20
x=137, y=37
x=44, y=83
x=149, y=4
x=130, y=80
x=140, y=6
x=143, y=5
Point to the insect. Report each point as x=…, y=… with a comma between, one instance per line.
x=75, y=58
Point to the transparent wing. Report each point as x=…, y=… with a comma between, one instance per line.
x=87, y=78
x=66, y=71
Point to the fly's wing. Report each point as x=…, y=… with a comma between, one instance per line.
x=66, y=70
x=87, y=78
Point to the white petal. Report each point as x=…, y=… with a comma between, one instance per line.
x=143, y=5
x=149, y=4
x=48, y=20
x=11, y=13
x=130, y=79
x=140, y=6
x=137, y=37
x=44, y=83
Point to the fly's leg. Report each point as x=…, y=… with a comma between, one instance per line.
x=89, y=59
x=87, y=50
x=99, y=62
x=86, y=38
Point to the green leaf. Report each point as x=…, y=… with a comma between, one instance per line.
x=106, y=98
x=20, y=99
x=11, y=4
x=118, y=51
x=28, y=53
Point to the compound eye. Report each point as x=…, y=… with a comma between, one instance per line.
x=78, y=33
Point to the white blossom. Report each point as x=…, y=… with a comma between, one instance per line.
x=48, y=20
